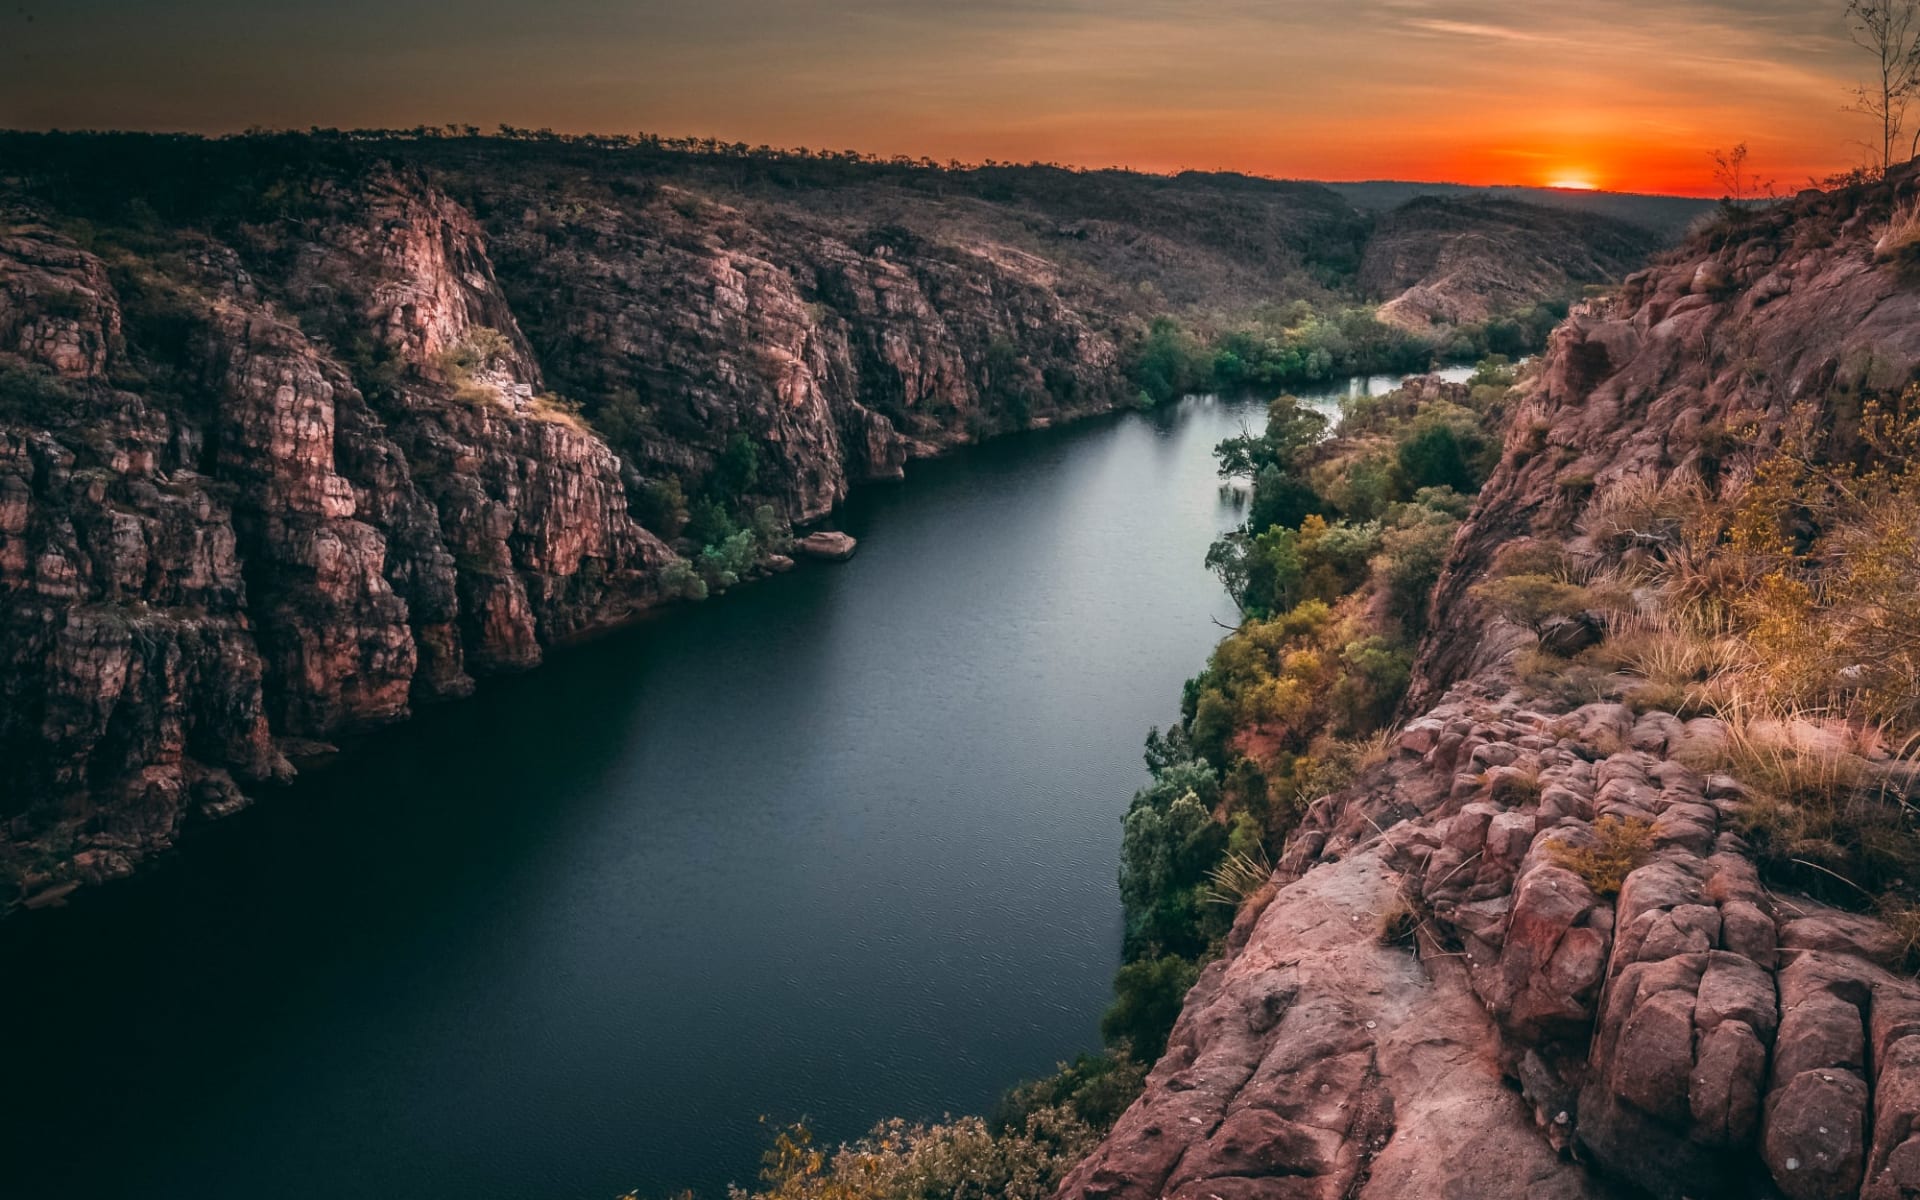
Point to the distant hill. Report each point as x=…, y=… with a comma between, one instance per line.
x=1667, y=216
x=1457, y=261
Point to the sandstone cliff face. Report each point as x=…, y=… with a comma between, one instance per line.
x=253, y=498
x=221, y=543
x=1699, y=1034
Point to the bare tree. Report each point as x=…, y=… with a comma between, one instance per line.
x=1889, y=30
x=1738, y=186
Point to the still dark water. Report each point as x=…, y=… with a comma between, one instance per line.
x=840, y=845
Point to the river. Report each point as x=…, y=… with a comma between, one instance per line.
x=841, y=845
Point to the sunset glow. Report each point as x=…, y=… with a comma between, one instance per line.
x=1472, y=91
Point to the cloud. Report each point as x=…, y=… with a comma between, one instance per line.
x=1373, y=87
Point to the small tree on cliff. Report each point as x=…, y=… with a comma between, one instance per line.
x=1738, y=186
x=1889, y=30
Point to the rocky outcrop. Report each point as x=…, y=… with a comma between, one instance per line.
x=1697, y=1034
x=263, y=551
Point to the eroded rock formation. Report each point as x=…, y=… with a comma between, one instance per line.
x=1699, y=1034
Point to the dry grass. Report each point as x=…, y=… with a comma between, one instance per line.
x=1643, y=512
x=1897, y=242
x=1516, y=789
x=1399, y=925
x=1238, y=876
x=1820, y=815
x=559, y=411
x=1620, y=845
x=1566, y=682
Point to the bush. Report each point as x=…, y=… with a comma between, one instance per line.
x=958, y=1159
x=662, y=508
x=723, y=565
x=1167, y=849
x=681, y=581
x=1532, y=600
x=1148, y=997
x=1096, y=1088
x=1169, y=363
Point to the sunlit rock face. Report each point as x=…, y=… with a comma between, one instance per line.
x=1697, y=1034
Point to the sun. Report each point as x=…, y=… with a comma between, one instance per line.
x=1574, y=184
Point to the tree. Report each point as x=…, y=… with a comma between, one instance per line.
x=1889, y=30
x=1738, y=186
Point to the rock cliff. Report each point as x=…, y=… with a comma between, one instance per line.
x=1701, y=1032
x=298, y=434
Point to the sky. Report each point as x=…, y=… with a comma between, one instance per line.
x=1628, y=95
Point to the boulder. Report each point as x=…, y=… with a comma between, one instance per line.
x=827, y=546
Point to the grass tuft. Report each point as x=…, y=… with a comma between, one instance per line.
x=1620, y=845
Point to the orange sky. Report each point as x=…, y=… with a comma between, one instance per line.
x=1622, y=94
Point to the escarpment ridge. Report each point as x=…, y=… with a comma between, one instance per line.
x=1572, y=935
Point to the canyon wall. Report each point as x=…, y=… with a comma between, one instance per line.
x=253, y=498
x=1701, y=1033
x=298, y=434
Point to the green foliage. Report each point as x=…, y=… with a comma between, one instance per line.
x=625, y=422
x=681, y=581
x=1007, y=384
x=1412, y=553
x=708, y=522
x=1096, y=1088
x=1432, y=454
x=722, y=565
x=1147, y=999
x=1169, y=842
x=1169, y=363
x=1532, y=600
x=34, y=395
x=662, y=508
x=481, y=348
x=736, y=470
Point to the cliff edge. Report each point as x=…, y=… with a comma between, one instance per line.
x=1556, y=944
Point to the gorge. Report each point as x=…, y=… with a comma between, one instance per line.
x=1540, y=826
x=840, y=845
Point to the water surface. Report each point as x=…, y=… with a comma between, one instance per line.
x=839, y=845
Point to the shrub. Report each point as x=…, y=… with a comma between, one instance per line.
x=960, y=1159
x=1148, y=996
x=1095, y=1087
x=1169, y=363
x=1166, y=851
x=1432, y=455
x=1897, y=243
x=1619, y=845
x=724, y=564
x=662, y=507
x=680, y=581
x=1532, y=600
x=1515, y=789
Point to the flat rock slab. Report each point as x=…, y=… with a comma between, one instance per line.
x=828, y=546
